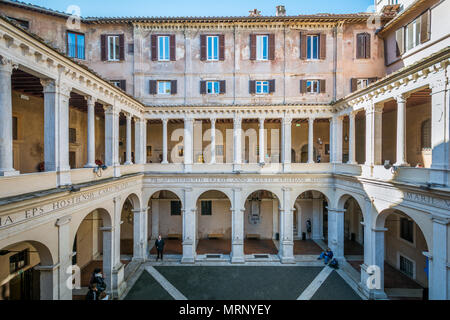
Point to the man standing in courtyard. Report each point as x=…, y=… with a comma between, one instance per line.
x=159, y=244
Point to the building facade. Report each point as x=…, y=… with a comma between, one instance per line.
x=237, y=137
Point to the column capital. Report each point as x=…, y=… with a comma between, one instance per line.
x=111, y=109
x=379, y=229
x=438, y=84
x=401, y=98
x=352, y=114
x=261, y=121
x=440, y=220
x=287, y=120
x=374, y=108
x=311, y=119
x=165, y=121
x=90, y=100
x=7, y=65
x=63, y=221
x=47, y=268
x=48, y=85
x=188, y=120
x=336, y=210
x=237, y=121
x=127, y=114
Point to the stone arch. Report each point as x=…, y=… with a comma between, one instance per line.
x=106, y=216
x=199, y=192
x=151, y=192
x=45, y=255
x=134, y=199
x=298, y=192
x=277, y=193
x=342, y=199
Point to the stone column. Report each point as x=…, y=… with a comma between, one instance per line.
x=317, y=229
x=311, y=140
x=90, y=132
x=261, y=141
x=237, y=228
x=164, y=122
x=140, y=234
x=6, y=125
x=112, y=139
x=128, y=152
x=286, y=251
x=439, y=283
x=401, y=130
x=108, y=252
x=336, y=232
x=118, y=284
x=352, y=139
x=374, y=119
x=188, y=144
x=64, y=257
x=140, y=145
x=155, y=219
x=286, y=147
x=237, y=143
x=48, y=281
x=336, y=129
x=189, y=212
x=440, y=133
x=213, y=140
x=56, y=129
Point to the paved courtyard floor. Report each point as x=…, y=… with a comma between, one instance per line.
x=167, y=281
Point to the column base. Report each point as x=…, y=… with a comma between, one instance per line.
x=165, y=162
x=128, y=163
x=311, y=162
x=237, y=260
x=9, y=173
x=237, y=167
x=117, y=171
x=286, y=167
x=287, y=260
x=188, y=260
x=401, y=164
x=352, y=162
x=188, y=168
x=63, y=178
x=118, y=283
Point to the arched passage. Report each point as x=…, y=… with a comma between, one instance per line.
x=129, y=207
x=214, y=223
x=21, y=277
x=404, y=266
x=261, y=223
x=91, y=243
x=165, y=209
x=310, y=223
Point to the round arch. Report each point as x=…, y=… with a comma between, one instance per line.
x=274, y=191
x=200, y=192
x=297, y=193
x=45, y=255
x=342, y=199
x=134, y=199
x=152, y=192
x=105, y=215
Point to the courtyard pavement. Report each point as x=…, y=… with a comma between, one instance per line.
x=252, y=281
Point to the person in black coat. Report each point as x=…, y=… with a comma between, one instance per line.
x=159, y=245
x=93, y=293
x=98, y=279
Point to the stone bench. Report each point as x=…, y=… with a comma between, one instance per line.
x=215, y=235
x=174, y=236
x=253, y=236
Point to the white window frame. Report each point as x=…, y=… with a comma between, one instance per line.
x=260, y=47
x=163, y=44
x=214, y=49
x=163, y=87
x=215, y=86
x=400, y=254
x=262, y=87
x=317, y=82
x=310, y=49
x=362, y=83
x=116, y=83
x=416, y=34
x=115, y=43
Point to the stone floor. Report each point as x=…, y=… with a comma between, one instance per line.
x=249, y=282
x=353, y=248
x=171, y=246
x=126, y=246
x=306, y=247
x=222, y=246
x=259, y=246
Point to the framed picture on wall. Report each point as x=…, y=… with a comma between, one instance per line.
x=149, y=151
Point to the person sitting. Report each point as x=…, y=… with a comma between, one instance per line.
x=326, y=255
x=97, y=278
x=334, y=264
x=93, y=292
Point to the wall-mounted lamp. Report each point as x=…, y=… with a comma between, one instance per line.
x=346, y=138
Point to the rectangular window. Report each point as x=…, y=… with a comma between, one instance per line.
x=206, y=208
x=313, y=86
x=163, y=48
x=164, y=87
x=72, y=135
x=361, y=83
x=407, y=229
x=175, y=208
x=113, y=48
x=262, y=87
x=412, y=34
x=213, y=48
x=213, y=87
x=407, y=266
x=18, y=261
x=75, y=45
x=262, y=47
x=312, y=52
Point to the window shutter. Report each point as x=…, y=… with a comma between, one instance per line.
x=359, y=46
x=103, y=46
x=202, y=87
x=121, y=47
x=123, y=85
x=367, y=46
x=223, y=86
x=303, y=45
x=425, y=27
x=353, y=84
x=173, y=87
x=322, y=86
x=323, y=46
x=400, y=42
x=302, y=86
x=152, y=86
x=222, y=47
x=271, y=85
x=154, y=44
x=202, y=47
x=271, y=46
x=252, y=86
x=252, y=47
x=172, y=48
